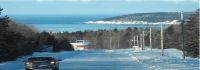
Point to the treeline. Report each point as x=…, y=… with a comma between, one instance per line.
x=112, y=39
x=102, y=39
x=19, y=40
x=173, y=36
x=117, y=39
x=150, y=17
x=191, y=36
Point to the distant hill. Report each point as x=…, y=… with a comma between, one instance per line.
x=149, y=17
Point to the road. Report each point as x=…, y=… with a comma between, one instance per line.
x=84, y=60
x=123, y=59
x=101, y=60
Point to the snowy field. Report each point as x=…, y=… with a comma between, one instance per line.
x=123, y=59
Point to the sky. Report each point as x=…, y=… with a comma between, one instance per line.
x=18, y=7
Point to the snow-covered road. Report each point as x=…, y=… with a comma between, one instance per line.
x=123, y=59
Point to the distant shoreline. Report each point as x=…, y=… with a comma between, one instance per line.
x=131, y=22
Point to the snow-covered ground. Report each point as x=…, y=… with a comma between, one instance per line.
x=123, y=59
x=172, y=60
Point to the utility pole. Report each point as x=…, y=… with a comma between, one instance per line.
x=114, y=44
x=150, y=39
x=143, y=39
x=110, y=42
x=118, y=44
x=182, y=26
x=134, y=41
x=162, y=50
x=137, y=41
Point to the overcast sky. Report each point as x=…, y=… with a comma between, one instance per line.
x=96, y=6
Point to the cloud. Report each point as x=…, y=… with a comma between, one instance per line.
x=85, y=0
x=99, y=0
x=161, y=0
x=180, y=0
x=17, y=0
x=71, y=0
x=45, y=0
x=134, y=0
x=63, y=0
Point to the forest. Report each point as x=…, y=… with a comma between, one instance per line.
x=149, y=17
x=18, y=40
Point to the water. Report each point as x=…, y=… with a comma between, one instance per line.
x=70, y=23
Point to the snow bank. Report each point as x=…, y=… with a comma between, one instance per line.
x=170, y=61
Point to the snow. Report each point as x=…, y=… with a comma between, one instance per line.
x=109, y=51
x=131, y=22
x=121, y=59
x=170, y=61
